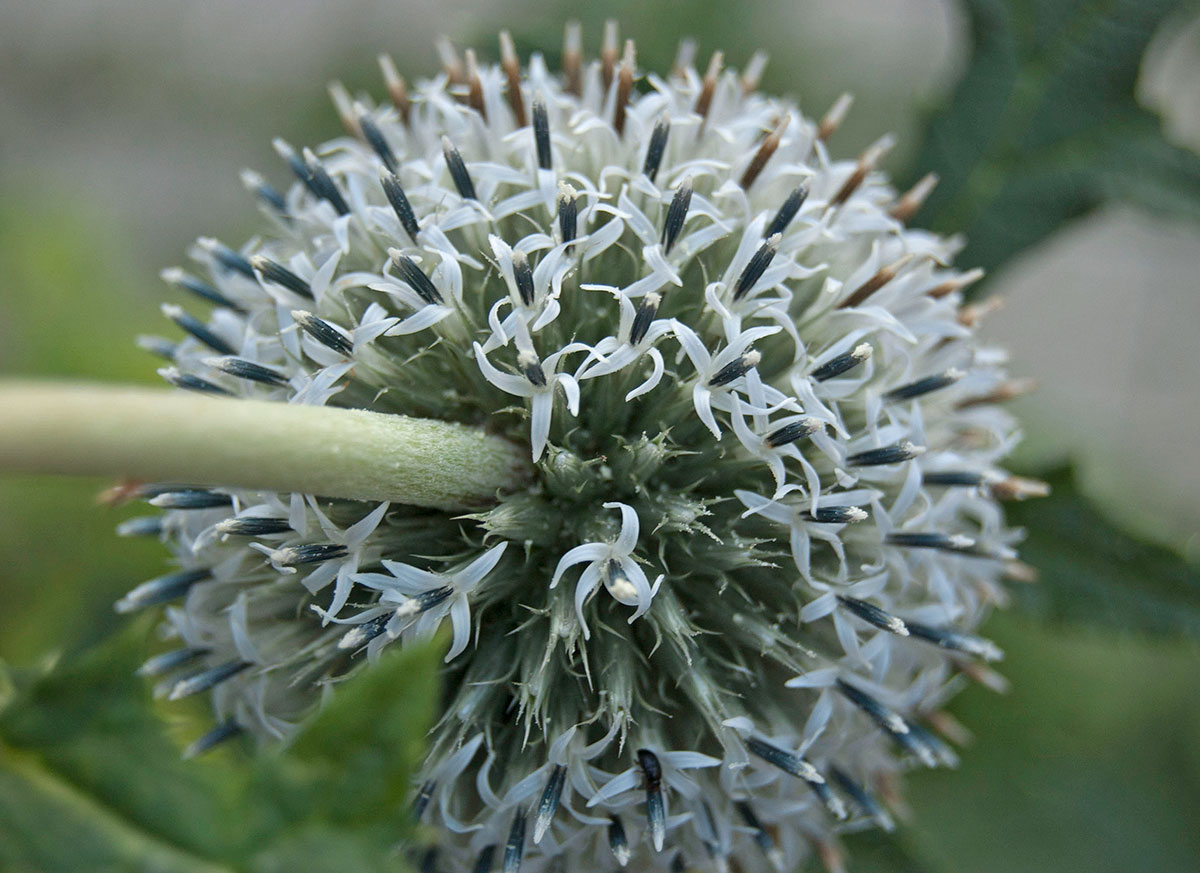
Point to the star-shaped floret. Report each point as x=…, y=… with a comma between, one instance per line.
x=613, y=564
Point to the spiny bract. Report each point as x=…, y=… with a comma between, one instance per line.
x=762, y=522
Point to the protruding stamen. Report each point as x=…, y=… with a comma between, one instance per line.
x=523, y=274
x=656, y=815
x=796, y=430
x=882, y=277
x=196, y=328
x=278, y=274
x=948, y=638
x=514, y=849
x=264, y=191
x=252, y=526
x=787, y=211
x=617, y=840
x=511, y=64
x=842, y=363
x=424, y=601
x=191, y=498
x=451, y=64
x=206, y=679
x=158, y=345
x=297, y=165
x=902, y=451
x=375, y=139
x=226, y=730
x=361, y=634
x=888, y=721
x=142, y=526
x=872, y=614
x=475, y=85
x=323, y=332
x=458, y=170
x=160, y=665
x=971, y=314
x=307, y=553
x=865, y=801
x=736, y=368
x=685, y=57
x=955, y=478
x=608, y=52
x=912, y=200
x=397, y=88
x=413, y=276
x=905, y=734
x=769, y=144
x=176, y=377
x=752, y=75
x=421, y=801
x=931, y=540
x=572, y=58
x=836, y=515
x=833, y=119
x=400, y=205
x=1018, y=488
x=548, y=804
x=657, y=146
x=708, y=86
x=924, y=386
x=958, y=283
x=624, y=87
x=531, y=368
x=676, y=214
x=756, y=267
x=323, y=184
x=541, y=133
x=800, y=768
x=343, y=103
x=1003, y=392
x=568, y=212
x=483, y=864
x=785, y=761
x=867, y=162
x=198, y=287
x=931, y=749
x=644, y=316
x=162, y=589
x=240, y=368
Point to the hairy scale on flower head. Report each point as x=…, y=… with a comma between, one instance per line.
x=763, y=522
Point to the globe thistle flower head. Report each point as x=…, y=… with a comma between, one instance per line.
x=760, y=522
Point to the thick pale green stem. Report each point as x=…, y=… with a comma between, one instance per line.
x=163, y=435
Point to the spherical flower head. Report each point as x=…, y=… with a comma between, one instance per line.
x=761, y=525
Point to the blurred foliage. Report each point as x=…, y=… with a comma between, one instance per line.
x=81, y=747
x=1093, y=573
x=62, y=568
x=1044, y=126
x=1092, y=763
x=1089, y=764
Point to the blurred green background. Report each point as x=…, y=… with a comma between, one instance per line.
x=123, y=124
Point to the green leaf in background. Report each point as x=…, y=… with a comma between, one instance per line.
x=371, y=734
x=1089, y=764
x=90, y=780
x=1093, y=573
x=1044, y=126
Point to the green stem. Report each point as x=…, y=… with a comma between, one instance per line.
x=163, y=435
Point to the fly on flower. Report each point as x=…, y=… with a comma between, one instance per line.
x=669, y=648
